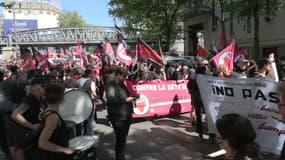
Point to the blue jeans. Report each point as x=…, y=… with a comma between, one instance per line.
x=2, y=157
x=90, y=121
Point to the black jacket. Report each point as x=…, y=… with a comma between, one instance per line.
x=117, y=106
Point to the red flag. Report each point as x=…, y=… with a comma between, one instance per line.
x=28, y=63
x=41, y=60
x=222, y=40
x=202, y=52
x=225, y=58
x=123, y=54
x=146, y=52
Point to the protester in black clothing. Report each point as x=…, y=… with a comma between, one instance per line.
x=169, y=71
x=196, y=100
x=177, y=73
x=251, y=69
x=27, y=118
x=53, y=140
x=158, y=74
x=240, y=67
x=120, y=109
x=1, y=75
x=12, y=93
x=264, y=66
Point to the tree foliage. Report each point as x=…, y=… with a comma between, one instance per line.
x=254, y=9
x=244, y=8
x=155, y=18
x=248, y=11
x=70, y=19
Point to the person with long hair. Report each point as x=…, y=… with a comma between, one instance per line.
x=236, y=136
x=53, y=141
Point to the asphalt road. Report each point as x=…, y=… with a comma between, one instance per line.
x=165, y=138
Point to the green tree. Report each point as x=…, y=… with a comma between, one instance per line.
x=254, y=9
x=70, y=19
x=154, y=18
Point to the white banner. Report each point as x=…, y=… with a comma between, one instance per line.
x=254, y=98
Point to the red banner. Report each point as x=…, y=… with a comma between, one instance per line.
x=160, y=98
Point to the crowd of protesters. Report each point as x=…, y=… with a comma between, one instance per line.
x=45, y=91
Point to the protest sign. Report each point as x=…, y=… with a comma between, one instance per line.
x=256, y=99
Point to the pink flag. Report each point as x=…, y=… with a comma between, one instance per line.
x=109, y=52
x=98, y=65
x=79, y=48
x=123, y=54
x=225, y=58
x=85, y=59
x=79, y=53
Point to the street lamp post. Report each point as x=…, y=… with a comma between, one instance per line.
x=15, y=30
x=14, y=17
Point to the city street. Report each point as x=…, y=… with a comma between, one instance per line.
x=168, y=138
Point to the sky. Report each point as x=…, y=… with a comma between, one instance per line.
x=94, y=12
